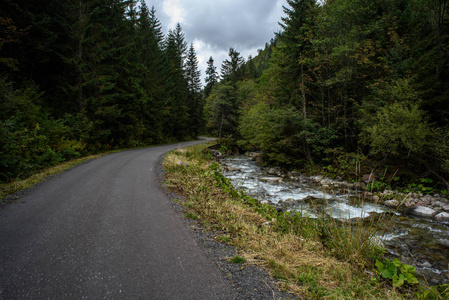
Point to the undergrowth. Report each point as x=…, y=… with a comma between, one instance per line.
x=313, y=258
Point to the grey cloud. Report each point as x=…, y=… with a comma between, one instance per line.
x=241, y=24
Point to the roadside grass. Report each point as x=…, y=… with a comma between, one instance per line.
x=15, y=186
x=312, y=258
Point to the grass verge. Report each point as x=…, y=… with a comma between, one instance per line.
x=301, y=252
x=15, y=186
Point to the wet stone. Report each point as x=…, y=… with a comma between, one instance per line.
x=271, y=179
x=392, y=203
x=369, y=178
x=274, y=171
x=422, y=211
x=442, y=216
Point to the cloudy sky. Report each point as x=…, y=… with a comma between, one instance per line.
x=213, y=26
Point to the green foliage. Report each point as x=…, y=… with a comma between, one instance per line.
x=350, y=242
x=341, y=163
x=422, y=187
x=222, y=110
x=361, y=76
x=192, y=216
x=439, y=292
x=377, y=186
x=398, y=130
x=398, y=273
x=29, y=139
x=283, y=134
x=237, y=260
x=224, y=238
x=88, y=76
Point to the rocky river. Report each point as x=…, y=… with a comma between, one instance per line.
x=418, y=225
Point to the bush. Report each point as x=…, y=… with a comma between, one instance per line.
x=399, y=130
x=29, y=139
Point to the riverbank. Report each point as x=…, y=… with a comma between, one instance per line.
x=314, y=259
x=408, y=234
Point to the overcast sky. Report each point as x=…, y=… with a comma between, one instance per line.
x=213, y=26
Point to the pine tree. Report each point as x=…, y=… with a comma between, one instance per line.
x=179, y=37
x=232, y=67
x=176, y=89
x=152, y=74
x=195, y=100
x=211, y=77
x=155, y=25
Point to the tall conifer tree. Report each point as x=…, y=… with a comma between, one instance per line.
x=195, y=100
x=211, y=77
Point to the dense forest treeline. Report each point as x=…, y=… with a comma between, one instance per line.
x=347, y=86
x=79, y=77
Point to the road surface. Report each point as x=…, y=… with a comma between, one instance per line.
x=103, y=229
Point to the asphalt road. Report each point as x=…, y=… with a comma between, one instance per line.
x=104, y=229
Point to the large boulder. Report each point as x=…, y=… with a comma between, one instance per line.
x=422, y=211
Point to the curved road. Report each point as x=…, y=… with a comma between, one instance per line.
x=103, y=229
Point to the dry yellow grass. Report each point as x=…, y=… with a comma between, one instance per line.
x=303, y=265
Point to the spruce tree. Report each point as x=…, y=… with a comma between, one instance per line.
x=211, y=77
x=176, y=89
x=195, y=100
x=150, y=39
x=232, y=67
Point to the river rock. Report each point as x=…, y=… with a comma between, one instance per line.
x=446, y=207
x=317, y=179
x=285, y=204
x=294, y=174
x=326, y=182
x=387, y=193
x=442, y=216
x=274, y=171
x=376, y=198
x=314, y=200
x=369, y=178
x=438, y=205
x=227, y=168
x=359, y=185
x=304, y=179
x=254, y=154
x=411, y=202
x=271, y=179
x=427, y=200
x=217, y=153
x=422, y=211
x=392, y=203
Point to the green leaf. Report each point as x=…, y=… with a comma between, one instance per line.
x=398, y=280
x=397, y=262
x=411, y=279
x=408, y=269
x=389, y=271
x=379, y=265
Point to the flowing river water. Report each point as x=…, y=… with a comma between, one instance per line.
x=423, y=243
